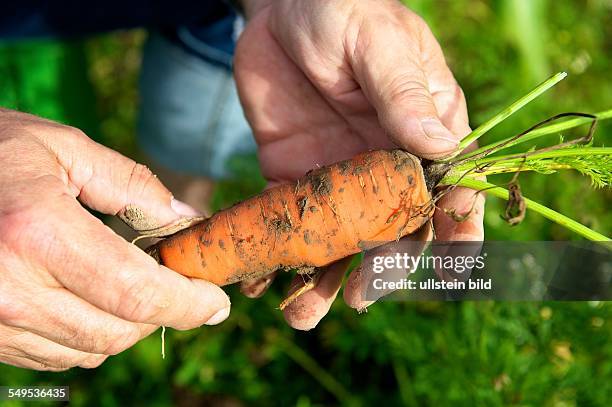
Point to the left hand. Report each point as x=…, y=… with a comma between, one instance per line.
x=321, y=81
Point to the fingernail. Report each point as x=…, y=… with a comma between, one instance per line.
x=435, y=130
x=255, y=289
x=181, y=208
x=219, y=316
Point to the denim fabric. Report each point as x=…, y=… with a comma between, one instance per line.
x=190, y=116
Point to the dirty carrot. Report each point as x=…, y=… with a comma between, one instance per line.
x=328, y=214
x=376, y=197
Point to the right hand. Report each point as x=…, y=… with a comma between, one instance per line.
x=320, y=82
x=73, y=292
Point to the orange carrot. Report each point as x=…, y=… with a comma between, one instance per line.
x=328, y=214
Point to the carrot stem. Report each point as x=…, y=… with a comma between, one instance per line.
x=537, y=133
x=555, y=216
x=510, y=110
x=516, y=160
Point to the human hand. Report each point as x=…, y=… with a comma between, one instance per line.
x=321, y=81
x=73, y=292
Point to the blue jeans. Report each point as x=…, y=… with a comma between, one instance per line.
x=190, y=116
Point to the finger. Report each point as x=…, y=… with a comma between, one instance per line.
x=109, y=182
x=91, y=261
x=28, y=350
x=264, y=73
x=93, y=361
x=451, y=102
x=468, y=205
x=256, y=287
x=449, y=99
x=61, y=317
x=308, y=309
x=394, y=81
x=462, y=201
x=358, y=290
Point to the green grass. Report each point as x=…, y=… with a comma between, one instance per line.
x=430, y=353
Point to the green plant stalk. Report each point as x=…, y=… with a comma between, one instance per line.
x=508, y=169
x=516, y=159
x=594, y=162
x=540, y=132
x=510, y=110
x=555, y=216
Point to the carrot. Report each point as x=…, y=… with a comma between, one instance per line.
x=328, y=214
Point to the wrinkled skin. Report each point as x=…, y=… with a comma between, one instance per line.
x=72, y=292
x=321, y=81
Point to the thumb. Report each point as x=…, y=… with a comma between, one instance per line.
x=391, y=75
x=111, y=183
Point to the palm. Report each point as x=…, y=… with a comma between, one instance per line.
x=315, y=94
x=295, y=125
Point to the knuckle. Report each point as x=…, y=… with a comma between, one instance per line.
x=140, y=175
x=409, y=20
x=79, y=339
x=119, y=340
x=32, y=235
x=93, y=361
x=13, y=227
x=72, y=135
x=139, y=301
x=47, y=367
x=63, y=362
x=142, y=181
x=12, y=311
x=417, y=21
x=54, y=361
x=67, y=134
x=27, y=232
x=60, y=359
x=409, y=90
x=76, y=133
x=73, y=132
x=141, y=171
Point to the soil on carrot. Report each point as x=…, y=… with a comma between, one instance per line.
x=326, y=215
x=319, y=181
